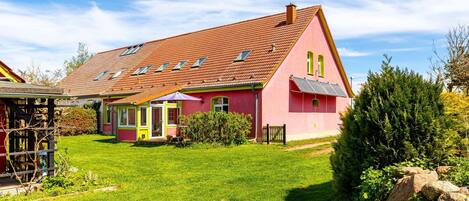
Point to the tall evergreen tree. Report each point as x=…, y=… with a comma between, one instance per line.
x=398, y=116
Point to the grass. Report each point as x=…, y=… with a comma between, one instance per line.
x=310, y=141
x=200, y=172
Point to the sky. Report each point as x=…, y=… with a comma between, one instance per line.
x=47, y=32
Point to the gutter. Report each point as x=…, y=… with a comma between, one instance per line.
x=32, y=95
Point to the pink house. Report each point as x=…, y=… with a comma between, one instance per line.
x=280, y=69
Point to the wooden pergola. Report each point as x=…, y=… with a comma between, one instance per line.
x=27, y=126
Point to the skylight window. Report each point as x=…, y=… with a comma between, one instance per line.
x=131, y=50
x=142, y=70
x=179, y=65
x=199, y=62
x=162, y=67
x=101, y=75
x=243, y=55
x=117, y=74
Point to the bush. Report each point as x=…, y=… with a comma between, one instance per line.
x=398, y=116
x=457, y=111
x=77, y=120
x=217, y=127
x=459, y=172
x=376, y=184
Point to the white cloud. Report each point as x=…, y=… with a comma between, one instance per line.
x=368, y=17
x=345, y=52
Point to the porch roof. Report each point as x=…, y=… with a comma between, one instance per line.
x=147, y=95
x=24, y=90
x=317, y=87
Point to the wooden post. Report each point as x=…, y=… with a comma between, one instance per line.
x=284, y=134
x=268, y=134
x=50, y=137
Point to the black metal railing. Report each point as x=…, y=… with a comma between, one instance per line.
x=276, y=134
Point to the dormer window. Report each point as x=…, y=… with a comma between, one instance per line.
x=199, y=62
x=142, y=70
x=162, y=67
x=179, y=65
x=101, y=75
x=117, y=74
x=131, y=50
x=243, y=55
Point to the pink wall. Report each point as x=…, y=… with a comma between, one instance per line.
x=281, y=106
x=240, y=101
x=127, y=135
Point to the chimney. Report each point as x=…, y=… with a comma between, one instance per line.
x=291, y=13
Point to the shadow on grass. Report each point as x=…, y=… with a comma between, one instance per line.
x=317, y=192
x=149, y=144
x=110, y=141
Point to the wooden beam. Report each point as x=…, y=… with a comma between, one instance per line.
x=50, y=137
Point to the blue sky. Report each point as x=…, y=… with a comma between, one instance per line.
x=47, y=32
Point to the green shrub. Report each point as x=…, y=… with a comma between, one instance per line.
x=217, y=127
x=398, y=116
x=376, y=184
x=77, y=120
x=459, y=172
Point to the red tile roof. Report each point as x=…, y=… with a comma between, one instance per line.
x=81, y=82
x=221, y=45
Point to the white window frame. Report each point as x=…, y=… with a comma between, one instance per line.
x=220, y=105
x=199, y=62
x=180, y=65
x=240, y=56
x=127, y=117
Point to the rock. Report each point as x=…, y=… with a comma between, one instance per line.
x=452, y=197
x=413, y=170
x=464, y=190
x=411, y=185
x=434, y=189
x=443, y=169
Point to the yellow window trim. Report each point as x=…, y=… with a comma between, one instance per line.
x=310, y=63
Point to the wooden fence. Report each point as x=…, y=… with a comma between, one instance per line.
x=274, y=134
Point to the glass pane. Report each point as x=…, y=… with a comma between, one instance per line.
x=108, y=114
x=172, y=115
x=217, y=108
x=225, y=100
x=131, y=116
x=143, y=116
x=123, y=117
x=225, y=108
x=156, y=122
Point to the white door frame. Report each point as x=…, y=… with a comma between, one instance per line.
x=163, y=117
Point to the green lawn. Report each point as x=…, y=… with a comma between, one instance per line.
x=201, y=172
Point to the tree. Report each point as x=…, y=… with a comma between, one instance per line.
x=34, y=75
x=453, y=69
x=398, y=116
x=76, y=61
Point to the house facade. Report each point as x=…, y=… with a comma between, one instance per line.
x=280, y=69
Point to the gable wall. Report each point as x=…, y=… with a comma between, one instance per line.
x=278, y=101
